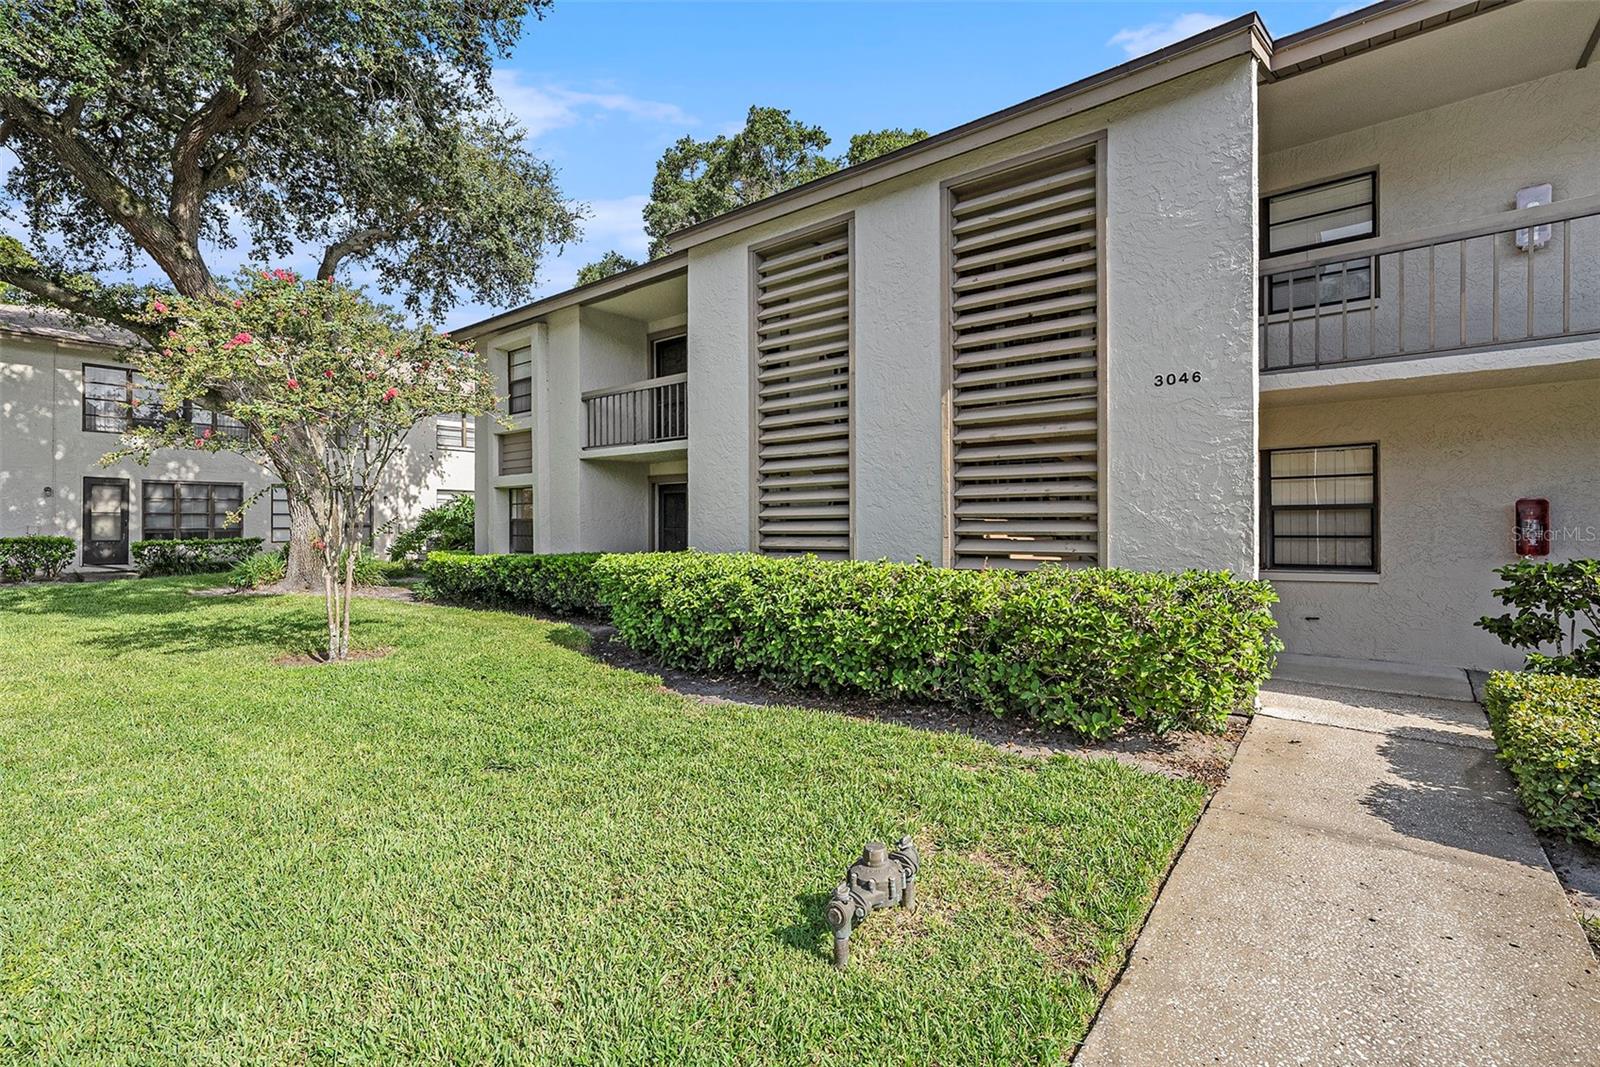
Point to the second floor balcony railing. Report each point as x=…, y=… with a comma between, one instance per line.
x=1516, y=279
x=643, y=413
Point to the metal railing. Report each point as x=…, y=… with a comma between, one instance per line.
x=642, y=413
x=1515, y=279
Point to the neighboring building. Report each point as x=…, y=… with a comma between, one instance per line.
x=66, y=395
x=1248, y=304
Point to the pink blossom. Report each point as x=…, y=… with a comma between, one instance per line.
x=199, y=443
x=238, y=303
x=294, y=383
x=283, y=275
x=328, y=373
x=207, y=434
x=159, y=307
x=391, y=393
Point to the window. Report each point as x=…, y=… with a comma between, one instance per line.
x=516, y=453
x=519, y=376
x=521, y=512
x=456, y=431
x=281, y=523
x=669, y=355
x=192, y=509
x=116, y=399
x=1318, y=215
x=220, y=425
x=1322, y=508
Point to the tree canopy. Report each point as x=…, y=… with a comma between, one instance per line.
x=697, y=180
x=613, y=262
x=354, y=132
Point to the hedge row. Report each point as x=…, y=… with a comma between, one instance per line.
x=1547, y=727
x=1087, y=649
x=194, y=555
x=22, y=558
x=561, y=584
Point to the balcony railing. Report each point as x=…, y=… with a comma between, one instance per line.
x=644, y=413
x=1521, y=278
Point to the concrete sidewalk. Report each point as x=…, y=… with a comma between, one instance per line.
x=1363, y=890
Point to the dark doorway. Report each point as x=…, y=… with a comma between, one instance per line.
x=672, y=517
x=105, y=521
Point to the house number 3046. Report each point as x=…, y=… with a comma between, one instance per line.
x=1177, y=379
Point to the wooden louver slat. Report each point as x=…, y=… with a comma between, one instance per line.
x=801, y=355
x=1024, y=322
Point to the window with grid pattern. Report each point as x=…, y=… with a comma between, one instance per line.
x=521, y=519
x=1322, y=508
x=519, y=380
x=117, y=399
x=281, y=522
x=458, y=432
x=191, y=509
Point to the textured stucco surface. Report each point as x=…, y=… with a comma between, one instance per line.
x=43, y=443
x=1452, y=465
x=1180, y=162
x=1465, y=160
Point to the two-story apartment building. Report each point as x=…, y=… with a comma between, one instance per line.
x=67, y=395
x=1319, y=309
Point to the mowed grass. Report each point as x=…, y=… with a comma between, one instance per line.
x=484, y=848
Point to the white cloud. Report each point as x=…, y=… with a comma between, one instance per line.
x=542, y=108
x=1138, y=40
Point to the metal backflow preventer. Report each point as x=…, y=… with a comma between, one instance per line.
x=881, y=878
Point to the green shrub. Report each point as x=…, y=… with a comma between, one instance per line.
x=1547, y=727
x=560, y=584
x=260, y=570
x=22, y=558
x=445, y=528
x=195, y=555
x=1086, y=649
x=1557, y=603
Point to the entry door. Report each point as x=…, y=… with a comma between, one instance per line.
x=672, y=517
x=105, y=520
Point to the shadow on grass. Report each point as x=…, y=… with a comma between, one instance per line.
x=167, y=619
x=810, y=933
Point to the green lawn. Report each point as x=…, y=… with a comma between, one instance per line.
x=487, y=848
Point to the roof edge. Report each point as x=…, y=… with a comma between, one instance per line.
x=612, y=285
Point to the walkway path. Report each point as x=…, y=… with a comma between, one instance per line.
x=1363, y=890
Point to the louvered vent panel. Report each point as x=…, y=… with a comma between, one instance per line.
x=803, y=395
x=1024, y=321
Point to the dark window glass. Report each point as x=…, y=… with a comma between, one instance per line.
x=191, y=509
x=116, y=399
x=519, y=378
x=670, y=356
x=672, y=517
x=521, y=512
x=1322, y=508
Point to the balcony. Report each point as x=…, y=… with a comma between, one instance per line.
x=642, y=419
x=1514, y=280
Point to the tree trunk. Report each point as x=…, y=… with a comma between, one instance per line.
x=304, y=569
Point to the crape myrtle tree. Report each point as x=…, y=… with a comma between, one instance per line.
x=324, y=386
x=360, y=133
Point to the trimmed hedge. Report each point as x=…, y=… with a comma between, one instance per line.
x=22, y=558
x=1087, y=649
x=194, y=555
x=1547, y=727
x=561, y=584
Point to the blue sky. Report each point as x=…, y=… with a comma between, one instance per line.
x=604, y=86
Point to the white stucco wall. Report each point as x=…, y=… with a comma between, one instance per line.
x=43, y=444
x=1465, y=160
x=1451, y=467
x=1180, y=248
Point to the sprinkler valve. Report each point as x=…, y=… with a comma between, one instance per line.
x=881, y=878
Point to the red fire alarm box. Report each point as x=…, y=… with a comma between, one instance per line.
x=1533, y=526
